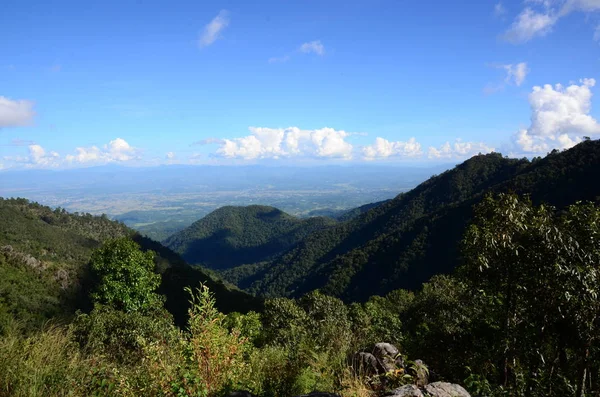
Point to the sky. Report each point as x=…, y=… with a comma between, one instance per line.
x=293, y=82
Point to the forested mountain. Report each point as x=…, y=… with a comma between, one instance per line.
x=232, y=236
x=403, y=242
x=44, y=256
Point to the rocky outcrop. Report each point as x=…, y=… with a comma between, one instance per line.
x=382, y=358
x=435, y=389
x=405, y=391
x=444, y=389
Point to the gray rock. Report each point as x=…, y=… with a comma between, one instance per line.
x=422, y=373
x=366, y=364
x=388, y=356
x=405, y=391
x=444, y=389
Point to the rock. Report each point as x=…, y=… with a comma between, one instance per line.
x=319, y=394
x=444, y=389
x=405, y=391
x=422, y=373
x=388, y=356
x=366, y=364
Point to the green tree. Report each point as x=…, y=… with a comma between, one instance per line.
x=537, y=274
x=124, y=276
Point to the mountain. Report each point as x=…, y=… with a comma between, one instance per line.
x=231, y=236
x=44, y=255
x=403, y=242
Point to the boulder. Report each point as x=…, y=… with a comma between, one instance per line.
x=388, y=356
x=405, y=391
x=366, y=364
x=421, y=373
x=444, y=389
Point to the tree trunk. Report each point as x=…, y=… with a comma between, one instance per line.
x=583, y=372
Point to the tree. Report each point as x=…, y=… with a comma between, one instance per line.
x=537, y=272
x=124, y=276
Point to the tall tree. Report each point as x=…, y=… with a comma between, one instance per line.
x=124, y=276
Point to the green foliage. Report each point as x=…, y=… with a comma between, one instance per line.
x=120, y=335
x=232, y=236
x=404, y=242
x=205, y=360
x=124, y=276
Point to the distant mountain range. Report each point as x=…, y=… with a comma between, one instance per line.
x=376, y=248
x=370, y=250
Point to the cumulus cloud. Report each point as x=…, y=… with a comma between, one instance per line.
x=382, y=148
x=117, y=150
x=212, y=31
x=458, y=150
x=38, y=156
x=532, y=23
x=560, y=116
x=15, y=113
x=276, y=143
x=170, y=155
x=315, y=47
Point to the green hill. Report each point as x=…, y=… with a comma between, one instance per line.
x=232, y=236
x=403, y=242
x=44, y=255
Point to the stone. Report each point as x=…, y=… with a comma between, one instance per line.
x=388, y=356
x=444, y=389
x=366, y=364
x=405, y=391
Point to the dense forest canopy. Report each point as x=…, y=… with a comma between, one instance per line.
x=405, y=241
x=233, y=236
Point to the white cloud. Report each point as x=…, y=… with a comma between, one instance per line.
x=15, y=113
x=530, y=23
x=212, y=31
x=499, y=9
x=560, y=116
x=314, y=47
x=117, y=150
x=39, y=157
x=275, y=143
x=458, y=150
x=170, y=155
x=382, y=148
x=515, y=74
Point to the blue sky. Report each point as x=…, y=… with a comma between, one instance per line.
x=221, y=82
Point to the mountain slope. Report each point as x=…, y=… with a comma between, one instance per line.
x=403, y=242
x=44, y=257
x=232, y=236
